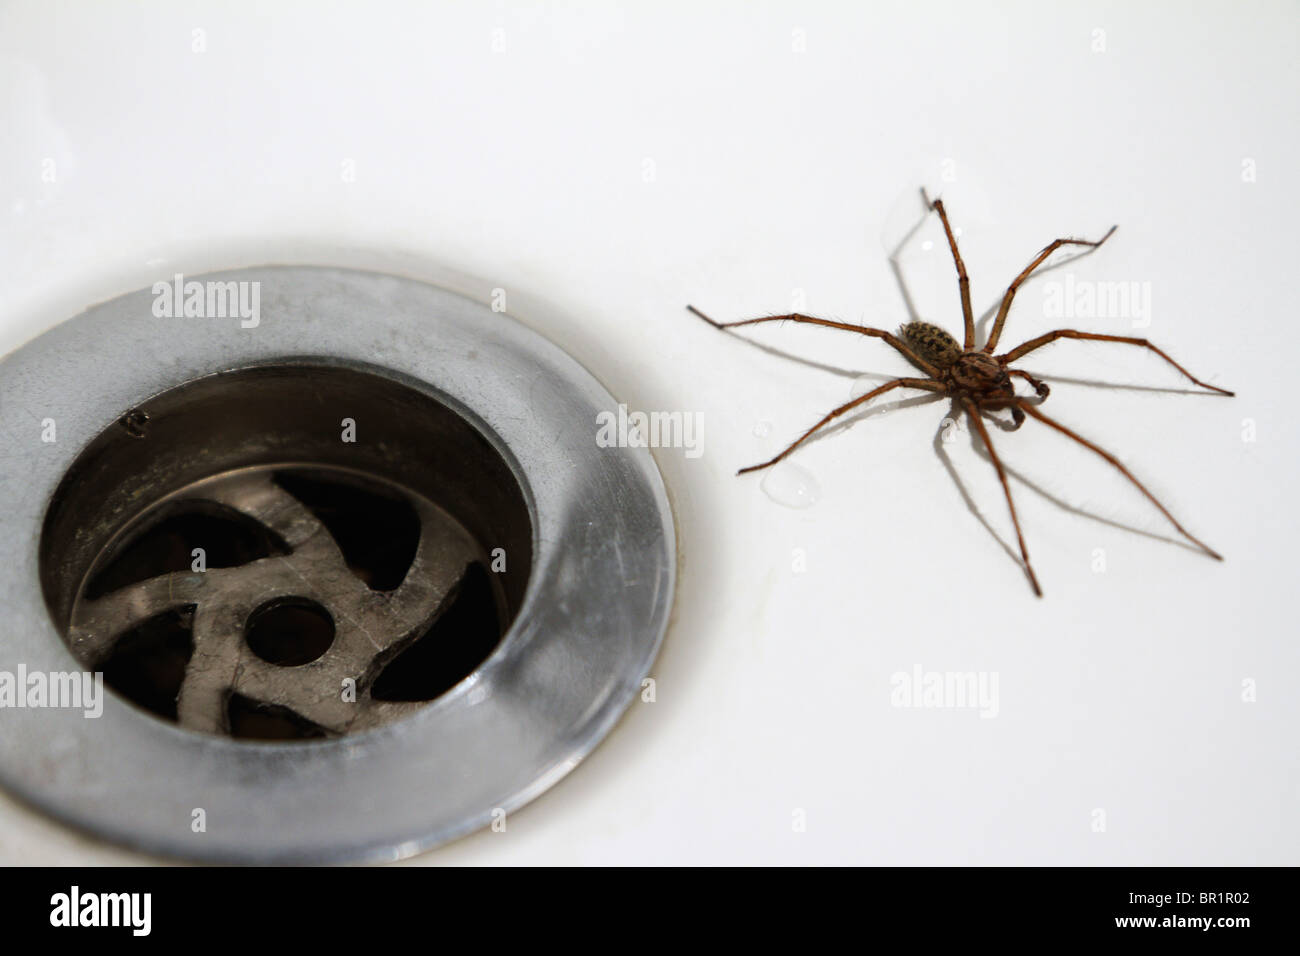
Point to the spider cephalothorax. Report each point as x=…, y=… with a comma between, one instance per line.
x=969, y=372
x=977, y=379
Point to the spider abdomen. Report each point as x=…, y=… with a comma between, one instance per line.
x=931, y=343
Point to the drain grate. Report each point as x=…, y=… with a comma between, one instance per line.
x=213, y=586
x=321, y=582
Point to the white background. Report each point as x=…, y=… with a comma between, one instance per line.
x=613, y=162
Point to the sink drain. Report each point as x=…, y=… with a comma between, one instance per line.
x=316, y=602
x=349, y=600
x=320, y=595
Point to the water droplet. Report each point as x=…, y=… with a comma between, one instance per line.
x=763, y=429
x=791, y=485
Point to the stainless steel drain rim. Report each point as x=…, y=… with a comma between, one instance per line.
x=591, y=623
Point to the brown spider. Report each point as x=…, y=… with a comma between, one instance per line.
x=974, y=377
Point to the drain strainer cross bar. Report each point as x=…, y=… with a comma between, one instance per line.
x=370, y=627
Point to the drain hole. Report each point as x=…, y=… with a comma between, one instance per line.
x=253, y=720
x=290, y=631
x=228, y=538
x=148, y=662
x=377, y=534
x=248, y=466
x=457, y=643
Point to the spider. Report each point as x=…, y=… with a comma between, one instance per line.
x=975, y=377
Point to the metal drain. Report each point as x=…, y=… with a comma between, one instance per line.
x=300, y=633
x=376, y=525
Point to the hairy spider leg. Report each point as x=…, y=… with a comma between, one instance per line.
x=1035, y=413
x=921, y=383
x=963, y=281
x=973, y=412
x=1022, y=350
x=1005, y=307
x=888, y=337
x=1040, y=387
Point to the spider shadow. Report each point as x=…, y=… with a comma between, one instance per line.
x=897, y=268
x=810, y=363
x=951, y=420
x=870, y=411
x=982, y=453
x=908, y=303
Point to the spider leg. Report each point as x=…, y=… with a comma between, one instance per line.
x=1035, y=413
x=963, y=281
x=1005, y=307
x=921, y=383
x=1017, y=416
x=1022, y=350
x=996, y=404
x=888, y=337
x=973, y=412
x=1040, y=387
